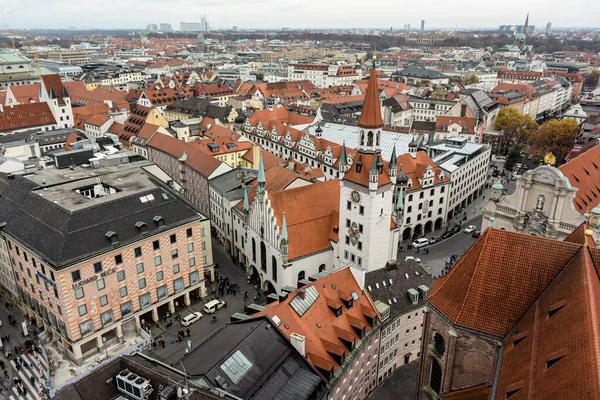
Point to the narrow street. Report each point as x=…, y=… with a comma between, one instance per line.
x=203, y=328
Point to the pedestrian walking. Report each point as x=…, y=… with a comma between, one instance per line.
x=32, y=380
x=162, y=342
x=186, y=351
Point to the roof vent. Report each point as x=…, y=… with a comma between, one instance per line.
x=112, y=236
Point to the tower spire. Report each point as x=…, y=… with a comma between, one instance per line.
x=284, y=240
x=370, y=116
x=246, y=202
x=343, y=158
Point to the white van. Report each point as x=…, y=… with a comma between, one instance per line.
x=213, y=306
x=421, y=242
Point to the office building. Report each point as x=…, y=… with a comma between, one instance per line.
x=166, y=28
x=422, y=25
x=190, y=27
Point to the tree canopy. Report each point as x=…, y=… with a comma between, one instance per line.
x=471, y=79
x=516, y=129
x=556, y=137
x=591, y=80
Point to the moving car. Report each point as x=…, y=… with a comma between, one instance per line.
x=421, y=242
x=411, y=258
x=470, y=229
x=213, y=306
x=476, y=234
x=190, y=319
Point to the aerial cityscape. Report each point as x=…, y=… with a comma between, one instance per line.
x=341, y=205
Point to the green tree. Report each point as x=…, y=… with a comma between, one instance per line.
x=471, y=79
x=591, y=80
x=515, y=129
x=513, y=156
x=556, y=137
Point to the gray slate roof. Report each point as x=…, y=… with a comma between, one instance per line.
x=63, y=226
x=398, y=289
x=419, y=72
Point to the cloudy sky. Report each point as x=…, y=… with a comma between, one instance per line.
x=383, y=14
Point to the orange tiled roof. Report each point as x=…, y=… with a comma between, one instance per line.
x=53, y=82
x=25, y=93
x=97, y=119
x=370, y=117
x=498, y=279
x=584, y=173
x=414, y=168
x=308, y=215
x=22, y=116
x=362, y=177
x=461, y=121
x=222, y=142
x=280, y=114
x=318, y=351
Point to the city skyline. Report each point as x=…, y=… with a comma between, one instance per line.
x=268, y=14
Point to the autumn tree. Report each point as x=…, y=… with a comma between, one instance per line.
x=591, y=80
x=556, y=137
x=471, y=79
x=515, y=128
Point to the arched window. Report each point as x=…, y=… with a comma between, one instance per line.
x=378, y=134
x=301, y=276
x=322, y=268
x=438, y=345
x=274, y=268
x=362, y=137
x=253, y=250
x=263, y=256
x=435, y=379
x=370, y=139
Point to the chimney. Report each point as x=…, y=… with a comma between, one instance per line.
x=302, y=294
x=298, y=341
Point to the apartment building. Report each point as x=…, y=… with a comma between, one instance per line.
x=73, y=57
x=399, y=292
x=323, y=75
x=98, y=253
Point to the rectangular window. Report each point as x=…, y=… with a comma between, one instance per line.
x=176, y=268
x=347, y=223
x=349, y=205
x=121, y=275
x=100, y=284
x=156, y=245
x=123, y=291
x=194, y=277
x=137, y=252
x=118, y=259
x=79, y=293
x=157, y=261
x=126, y=308
x=86, y=327
x=173, y=238
x=174, y=254
x=106, y=318
x=188, y=232
x=103, y=300
x=192, y=261
x=142, y=283
x=204, y=245
x=159, y=276
x=76, y=275
x=145, y=301
x=139, y=267
x=98, y=267
x=191, y=247
x=82, y=310
x=162, y=292
x=178, y=285
x=361, y=210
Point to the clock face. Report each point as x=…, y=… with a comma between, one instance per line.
x=355, y=196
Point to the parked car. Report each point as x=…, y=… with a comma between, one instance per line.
x=213, y=306
x=470, y=229
x=190, y=319
x=421, y=242
x=434, y=239
x=411, y=258
x=476, y=234
x=456, y=229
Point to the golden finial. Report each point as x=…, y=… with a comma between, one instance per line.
x=588, y=234
x=549, y=159
x=374, y=57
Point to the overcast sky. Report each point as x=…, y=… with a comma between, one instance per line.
x=380, y=14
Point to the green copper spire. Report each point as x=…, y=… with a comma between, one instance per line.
x=343, y=158
x=400, y=201
x=374, y=165
x=393, y=163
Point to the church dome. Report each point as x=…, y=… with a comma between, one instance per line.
x=402, y=178
x=520, y=36
x=497, y=186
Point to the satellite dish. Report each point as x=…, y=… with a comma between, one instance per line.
x=179, y=392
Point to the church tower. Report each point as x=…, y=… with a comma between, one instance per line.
x=367, y=238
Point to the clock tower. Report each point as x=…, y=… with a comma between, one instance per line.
x=367, y=235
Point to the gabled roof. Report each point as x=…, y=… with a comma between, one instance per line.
x=331, y=328
x=279, y=114
x=362, y=177
x=584, y=173
x=461, y=121
x=22, y=116
x=54, y=87
x=310, y=211
x=498, y=279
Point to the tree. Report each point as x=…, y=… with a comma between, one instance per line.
x=511, y=160
x=591, y=80
x=471, y=79
x=556, y=137
x=515, y=129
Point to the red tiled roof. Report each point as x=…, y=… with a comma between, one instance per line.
x=461, y=121
x=22, y=116
x=370, y=116
x=318, y=352
x=584, y=173
x=279, y=114
x=362, y=177
x=25, y=93
x=502, y=274
x=53, y=82
x=415, y=168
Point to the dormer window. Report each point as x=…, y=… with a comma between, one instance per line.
x=444, y=127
